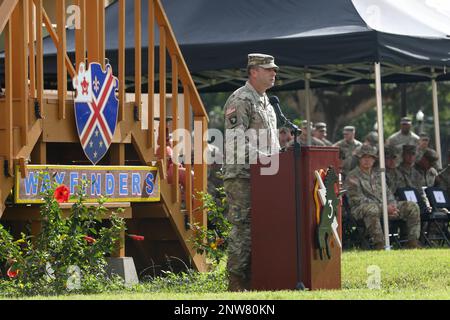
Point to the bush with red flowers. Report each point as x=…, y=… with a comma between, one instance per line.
x=69, y=255
x=212, y=239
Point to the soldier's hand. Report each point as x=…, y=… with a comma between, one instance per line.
x=393, y=210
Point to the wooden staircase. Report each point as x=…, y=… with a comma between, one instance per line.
x=33, y=119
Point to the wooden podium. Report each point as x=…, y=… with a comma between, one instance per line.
x=284, y=250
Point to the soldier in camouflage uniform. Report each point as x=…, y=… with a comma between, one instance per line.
x=403, y=137
x=363, y=186
x=443, y=179
x=320, y=133
x=247, y=108
x=426, y=166
x=304, y=135
x=412, y=177
x=394, y=178
x=347, y=147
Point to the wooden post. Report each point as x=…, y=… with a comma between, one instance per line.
x=200, y=167
x=39, y=153
x=101, y=31
x=92, y=36
x=120, y=246
x=122, y=94
x=162, y=93
x=175, y=185
x=39, y=57
x=138, y=56
x=8, y=97
x=151, y=73
x=36, y=228
x=31, y=49
x=80, y=36
x=188, y=147
x=118, y=154
x=62, y=70
x=19, y=38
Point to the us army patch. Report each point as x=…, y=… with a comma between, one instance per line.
x=230, y=110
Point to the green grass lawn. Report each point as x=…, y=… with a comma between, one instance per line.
x=405, y=274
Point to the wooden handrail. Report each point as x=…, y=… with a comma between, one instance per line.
x=174, y=49
x=6, y=9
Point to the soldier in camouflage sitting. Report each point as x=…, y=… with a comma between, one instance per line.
x=363, y=186
x=394, y=178
x=443, y=179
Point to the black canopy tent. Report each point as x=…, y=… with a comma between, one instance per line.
x=328, y=37
x=316, y=43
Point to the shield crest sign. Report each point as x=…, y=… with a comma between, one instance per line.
x=96, y=109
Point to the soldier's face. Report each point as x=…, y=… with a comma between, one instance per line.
x=405, y=127
x=409, y=158
x=366, y=162
x=348, y=136
x=391, y=163
x=265, y=77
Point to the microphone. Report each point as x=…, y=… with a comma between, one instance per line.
x=275, y=102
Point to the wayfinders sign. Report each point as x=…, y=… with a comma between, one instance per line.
x=117, y=184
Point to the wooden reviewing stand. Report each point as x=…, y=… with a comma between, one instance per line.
x=279, y=260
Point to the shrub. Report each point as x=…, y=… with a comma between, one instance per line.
x=69, y=253
x=212, y=239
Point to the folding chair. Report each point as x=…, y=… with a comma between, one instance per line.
x=428, y=219
x=440, y=218
x=353, y=232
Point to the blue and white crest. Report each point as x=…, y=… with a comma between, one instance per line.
x=96, y=109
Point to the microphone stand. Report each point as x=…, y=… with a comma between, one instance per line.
x=298, y=216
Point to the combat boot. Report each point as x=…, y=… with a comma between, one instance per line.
x=236, y=283
x=378, y=246
x=413, y=244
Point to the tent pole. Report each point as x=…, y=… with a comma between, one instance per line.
x=437, y=133
x=308, y=106
x=381, y=152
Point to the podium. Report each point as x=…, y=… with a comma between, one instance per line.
x=284, y=244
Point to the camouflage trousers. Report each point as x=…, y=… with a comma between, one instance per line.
x=371, y=214
x=239, y=241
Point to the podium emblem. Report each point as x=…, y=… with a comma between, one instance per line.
x=326, y=212
x=96, y=109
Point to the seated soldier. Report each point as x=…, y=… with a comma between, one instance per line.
x=363, y=186
x=394, y=178
x=285, y=137
x=443, y=179
x=427, y=166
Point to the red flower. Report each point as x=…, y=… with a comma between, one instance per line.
x=62, y=194
x=89, y=240
x=136, y=238
x=12, y=273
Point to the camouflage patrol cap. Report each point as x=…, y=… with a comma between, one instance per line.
x=424, y=135
x=430, y=155
x=304, y=124
x=372, y=137
x=349, y=129
x=366, y=149
x=405, y=120
x=320, y=126
x=409, y=148
x=390, y=152
x=261, y=60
